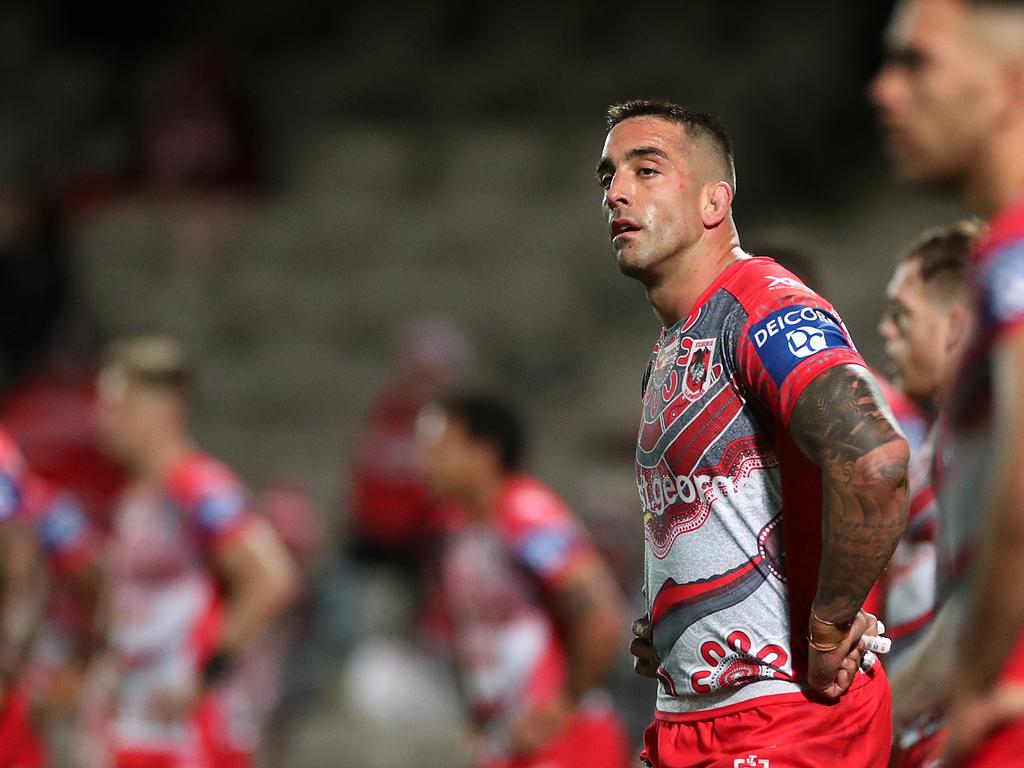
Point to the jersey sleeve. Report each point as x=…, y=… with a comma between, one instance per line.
x=66, y=536
x=784, y=343
x=1001, y=287
x=544, y=536
x=12, y=478
x=213, y=500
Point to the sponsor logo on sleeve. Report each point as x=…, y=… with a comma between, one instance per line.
x=62, y=525
x=9, y=496
x=1006, y=285
x=546, y=551
x=218, y=511
x=790, y=335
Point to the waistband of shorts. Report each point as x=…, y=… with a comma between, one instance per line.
x=794, y=697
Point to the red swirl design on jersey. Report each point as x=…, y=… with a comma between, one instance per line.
x=736, y=664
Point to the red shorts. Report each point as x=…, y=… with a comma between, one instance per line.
x=594, y=740
x=20, y=745
x=1003, y=748
x=854, y=732
x=926, y=753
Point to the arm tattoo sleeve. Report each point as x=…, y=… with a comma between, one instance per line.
x=843, y=424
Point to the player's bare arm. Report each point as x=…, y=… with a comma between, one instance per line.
x=589, y=613
x=843, y=424
x=262, y=580
x=23, y=599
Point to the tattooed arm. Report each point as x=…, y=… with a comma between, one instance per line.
x=843, y=424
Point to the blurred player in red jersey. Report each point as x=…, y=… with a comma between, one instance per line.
x=37, y=524
x=536, y=615
x=951, y=102
x=756, y=571
x=196, y=578
x=926, y=328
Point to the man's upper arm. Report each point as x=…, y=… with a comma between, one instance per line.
x=842, y=422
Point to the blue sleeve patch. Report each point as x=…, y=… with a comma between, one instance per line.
x=790, y=335
x=218, y=512
x=545, y=552
x=1004, y=284
x=62, y=526
x=10, y=496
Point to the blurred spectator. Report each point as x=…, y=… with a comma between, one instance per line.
x=391, y=512
x=199, y=132
x=536, y=616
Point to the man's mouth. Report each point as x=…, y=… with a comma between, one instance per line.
x=623, y=227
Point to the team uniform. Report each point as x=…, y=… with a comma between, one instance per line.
x=67, y=542
x=167, y=619
x=496, y=575
x=966, y=461
x=732, y=519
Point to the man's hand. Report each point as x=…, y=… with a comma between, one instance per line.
x=173, y=705
x=831, y=673
x=539, y=726
x=973, y=717
x=645, y=657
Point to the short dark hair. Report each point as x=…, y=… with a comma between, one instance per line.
x=699, y=125
x=944, y=254
x=489, y=419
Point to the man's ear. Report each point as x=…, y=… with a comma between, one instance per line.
x=717, y=203
x=960, y=323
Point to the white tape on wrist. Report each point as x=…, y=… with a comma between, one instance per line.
x=877, y=644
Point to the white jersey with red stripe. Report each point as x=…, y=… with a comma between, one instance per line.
x=166, y=611
x=732, y=508
x=496, y=575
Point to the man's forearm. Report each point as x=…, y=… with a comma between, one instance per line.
x=844, y=425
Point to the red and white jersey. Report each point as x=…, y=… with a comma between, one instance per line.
x=732, y=508
x=912, y=579
x=966, y=455
x=166, y=610
x=496, y=576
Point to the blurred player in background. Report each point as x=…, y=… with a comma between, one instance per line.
x=38, y=526
x=536, y=616
x=755, y=575
x=951, y=102
x=926, y=328
x=196, y=578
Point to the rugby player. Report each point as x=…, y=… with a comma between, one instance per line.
x=772, y=474
x=37, y=524
x=926, y=327
x=196, y=577
x=951, y=101
x=535, y=614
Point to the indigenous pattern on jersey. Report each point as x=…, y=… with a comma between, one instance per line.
x=732, y=508
x=496, y=575
x=911, y=580
x=166, y=609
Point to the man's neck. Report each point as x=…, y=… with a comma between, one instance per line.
x=483, y=497
x=999, y=181
x=674, y=294
x=157, y=462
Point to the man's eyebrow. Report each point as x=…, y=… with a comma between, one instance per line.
x=606, y=163
x=905, y=56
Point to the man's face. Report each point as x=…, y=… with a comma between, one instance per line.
x=129, y=415
x=446, y=455
x=916, y=330
x=652, y=176
x=938, y=94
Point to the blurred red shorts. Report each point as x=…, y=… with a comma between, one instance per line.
x=20, y=745
x=594, y=740
x=855, y=732
x=1006, y=746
